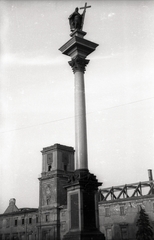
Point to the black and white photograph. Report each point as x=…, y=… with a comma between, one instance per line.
x=76, y=120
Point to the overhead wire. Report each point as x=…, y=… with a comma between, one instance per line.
x=62, y=119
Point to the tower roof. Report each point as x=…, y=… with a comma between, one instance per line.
x=12, y=207
x=58, y=146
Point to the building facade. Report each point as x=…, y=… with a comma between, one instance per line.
x=119, y=209
x=19, y=223
x=118, y=206
x=44, y=222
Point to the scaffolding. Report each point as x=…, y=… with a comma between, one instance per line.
x=127, y=191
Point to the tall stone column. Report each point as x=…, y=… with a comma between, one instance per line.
x=78, y=65
x=82, y=188
x=78, y=49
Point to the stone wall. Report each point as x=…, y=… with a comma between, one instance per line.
x=19, y=225
x=118, y=217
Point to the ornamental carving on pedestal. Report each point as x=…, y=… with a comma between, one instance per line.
x=78, y=64
x=87, y=180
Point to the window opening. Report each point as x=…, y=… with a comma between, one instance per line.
x=48, y=201
x=47, y=218
x=124, y=233
x=49, y=168
x=8, y=223
x=108, y=234
x=15, y=222
x=122, y=210
x=49, y=161
x=65, y=167
x=65, y=160
x=107, y=212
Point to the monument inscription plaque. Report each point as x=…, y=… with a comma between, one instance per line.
x=74, y=211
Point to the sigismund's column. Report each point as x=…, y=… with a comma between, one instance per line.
x=82, y=188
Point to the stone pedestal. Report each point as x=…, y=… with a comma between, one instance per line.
x=83, y=207
x=82, y=189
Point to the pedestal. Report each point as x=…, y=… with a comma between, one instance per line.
x=83, y=207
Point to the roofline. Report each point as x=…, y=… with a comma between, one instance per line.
x=128, y=185
x=20, y=212
x=118, y=200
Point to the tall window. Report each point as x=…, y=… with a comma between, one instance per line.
x=49, y=161
x=8, y=222
x=48, y=201
x=124, y=232
x=47, y=217
x=15, y=222
x=65, y=160
x=108, y=234
x=23, y=221
x=65, y=167
x=107, y=212
x=122, y=210
x=30, y=220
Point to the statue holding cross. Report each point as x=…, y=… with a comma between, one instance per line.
x=76, y=20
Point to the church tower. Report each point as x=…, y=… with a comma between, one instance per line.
x=57, y=167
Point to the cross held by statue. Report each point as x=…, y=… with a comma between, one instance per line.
x=83, y=15
x=85, y=6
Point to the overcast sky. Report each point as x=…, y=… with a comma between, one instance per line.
x=37, y=91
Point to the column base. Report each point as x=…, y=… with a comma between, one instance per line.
x=85, y=235
x=83, y=207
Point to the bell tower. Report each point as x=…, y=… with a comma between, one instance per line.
x=57, y=168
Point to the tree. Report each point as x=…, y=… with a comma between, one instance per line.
x=144, y=231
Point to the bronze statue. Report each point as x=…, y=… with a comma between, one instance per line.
x=76, y=19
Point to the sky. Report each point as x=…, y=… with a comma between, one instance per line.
x=37, y=91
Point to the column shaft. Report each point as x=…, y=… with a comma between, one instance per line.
x=80, y=122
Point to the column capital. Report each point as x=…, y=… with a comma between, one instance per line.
x=78, y=64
